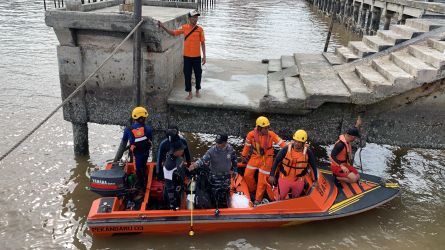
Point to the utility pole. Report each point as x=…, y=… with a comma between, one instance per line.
x=137, y=56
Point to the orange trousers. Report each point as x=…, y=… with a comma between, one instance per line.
x=262, y=185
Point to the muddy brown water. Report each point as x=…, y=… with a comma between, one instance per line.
x=43, y=196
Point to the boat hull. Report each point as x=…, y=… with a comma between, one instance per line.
x=327, y=200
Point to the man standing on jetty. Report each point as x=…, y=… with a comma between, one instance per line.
x=193, y=42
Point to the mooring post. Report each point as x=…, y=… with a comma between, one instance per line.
x=330, y=28
x=80, y=134
x=137, y=56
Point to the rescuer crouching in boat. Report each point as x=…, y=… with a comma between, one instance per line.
x=293, y=161
x=221, y=160
x=174, y=172
x=342, y=157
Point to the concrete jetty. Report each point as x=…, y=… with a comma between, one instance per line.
x=399, y=89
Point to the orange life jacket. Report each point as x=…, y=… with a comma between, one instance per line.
x=345, y=156
x=262, y=146
x=294, y=163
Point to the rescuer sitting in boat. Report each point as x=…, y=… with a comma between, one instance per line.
x=140, y=137
x=293, y=162
x=259, y=146
x=172, y=134
x=222, y=162
x=342, y=157
x=174, y=172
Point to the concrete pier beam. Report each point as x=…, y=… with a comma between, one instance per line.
x=80, y=138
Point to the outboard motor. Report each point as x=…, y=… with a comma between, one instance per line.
x=109, y=182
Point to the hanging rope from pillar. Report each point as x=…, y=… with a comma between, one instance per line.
x=72, y=94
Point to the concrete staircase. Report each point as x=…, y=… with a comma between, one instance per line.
x=303, y=82
x=394, y=73
x=383, y=40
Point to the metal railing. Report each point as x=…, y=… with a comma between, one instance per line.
x=61, y=4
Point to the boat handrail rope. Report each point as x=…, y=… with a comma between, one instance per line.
x=72, y=94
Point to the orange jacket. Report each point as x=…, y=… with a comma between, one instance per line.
x=261, y=148
x=345, y=156
x=192, y=46
x=294, y=163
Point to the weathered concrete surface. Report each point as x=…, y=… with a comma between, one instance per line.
x=226, y=84
x=414, y=119
x=320, y=81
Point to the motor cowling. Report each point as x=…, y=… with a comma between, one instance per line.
x=109, y=182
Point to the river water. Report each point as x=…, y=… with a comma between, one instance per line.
x=43, y=196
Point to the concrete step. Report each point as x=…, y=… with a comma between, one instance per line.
x=332, y=58
x=392, y=36
x=427, y=54
x=280, y=75
x=416, y=67
x=287, y=61
x=360, y=94
x=360, y=49
x=374, y=80
x=276, y=90
x=274, y=65
x=346, y=54
x=295, y=93
x=399, y=78
x=406, y=30
x=377, y=43
x=320, y=81
x=425, y=24
x=436, y=44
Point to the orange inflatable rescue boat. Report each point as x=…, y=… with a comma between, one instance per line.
x=116, y=212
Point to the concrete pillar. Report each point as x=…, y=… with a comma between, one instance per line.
x=80, y=134
x=368, y=19
x=355, y=12
x=388, y=17
x=350, y=7
x=402, y=19
x=363, y=12
x=375, y=19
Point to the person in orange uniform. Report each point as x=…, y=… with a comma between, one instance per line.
x=194, y=41
x=294, y=161
x=258, y=145
x=342, y=157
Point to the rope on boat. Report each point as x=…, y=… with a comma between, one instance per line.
x=72, y=94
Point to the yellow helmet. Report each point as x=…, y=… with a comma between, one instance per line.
x=300, y=136
x=139, y=112
x=262, y=121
